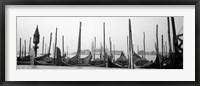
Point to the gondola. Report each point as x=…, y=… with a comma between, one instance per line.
x=76, y=60
x=43, y=60
x=114, y=65
x=85, y=61
x=98, y=62
x=60, y=59
x=110, y=64
x=122, y=60
x=40, y=62
x=155, y=64
x=139, y=61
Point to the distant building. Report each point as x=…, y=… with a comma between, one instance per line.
x=98, y=51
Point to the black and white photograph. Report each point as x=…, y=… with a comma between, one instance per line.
x=99, y=42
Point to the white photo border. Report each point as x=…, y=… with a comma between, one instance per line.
x=186, y=74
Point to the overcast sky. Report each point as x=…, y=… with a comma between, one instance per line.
x=116, y=28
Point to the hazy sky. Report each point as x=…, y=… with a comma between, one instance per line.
x=116, y=28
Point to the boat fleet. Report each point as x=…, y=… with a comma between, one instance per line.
x=172, y=60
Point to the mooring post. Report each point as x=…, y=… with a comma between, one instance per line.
x=131, y=45
x=110, y=48
x=162, y=52
x=157, y=45
x=175, y=42
x=50, y=45
x=101, y=50
x=166, y=48
x=105, y=56
x=113, y=52
x=55, y=46
x=20, y=48
x=129, y=64
x=45, y=48
x=79, y=44
x=170, y=46
x=29, y=46
x=63, y=44
x=22, y=51
x=94, y=47
x=169, y=36
x=144, y=44
x=43, y=45
x=53, y=50
x=25, y=48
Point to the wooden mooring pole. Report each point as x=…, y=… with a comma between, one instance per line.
x=104, y=50
x=157, y=46
x=50, y=44
x=113, y=52
x=79, y=44
x=129, y=61
x=110, y=47
x=22, y=51
x=144, y=44
x=43, y=45
x=162, y=52
x=55, y=50
x=169, y=42
x=63, y=44
x=169, y=36
x=131, y=46
x=25, y=48
x=20, y=47
x=94, y=47
x=175, y=43
x=166, y=49
x=29, y=46
x=45, y=48
x=101, y=50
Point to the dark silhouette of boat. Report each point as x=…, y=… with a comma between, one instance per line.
x=122, y=60
x=44, y=60
x=41, y=60
x=76, y=60
x=114, y=65
x=86, y=60
x=139, y=61
x=59, y=61
x=106, y=59
x=111, y=64
x=155, y=64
